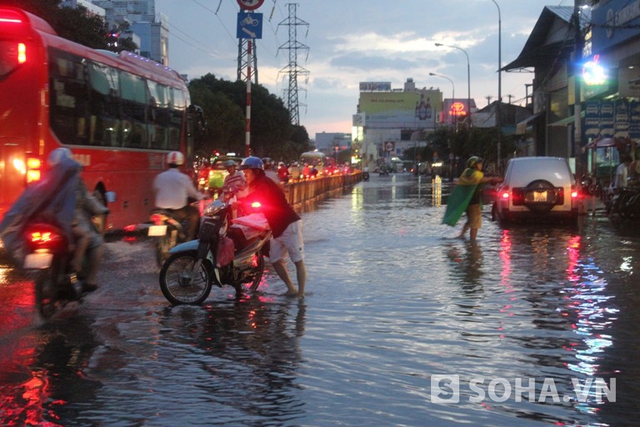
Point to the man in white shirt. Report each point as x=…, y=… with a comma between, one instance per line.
x=622, y=173
x=173, y=189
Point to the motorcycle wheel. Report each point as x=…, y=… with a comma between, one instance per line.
x=179, y=285
x=257, y=267
x=47, y=296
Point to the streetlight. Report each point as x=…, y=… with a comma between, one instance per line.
x=453, y=88
x=498, y=115
x=453, y=96
x=468, y=81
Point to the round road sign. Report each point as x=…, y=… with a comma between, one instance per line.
x=250, y=4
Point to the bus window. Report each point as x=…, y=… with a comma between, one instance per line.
x=104, y=106
x=176, y=114
x=68, y=95
x=133, y=90
x=158, y=116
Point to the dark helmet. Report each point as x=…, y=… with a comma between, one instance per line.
x=473, y=161
x=252, y=163
x=230, y=163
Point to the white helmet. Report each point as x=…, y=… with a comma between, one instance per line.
x=58, y=155
x=175, y=158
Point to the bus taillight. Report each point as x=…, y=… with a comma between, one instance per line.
x=33, y=169
x=22, y=53
x=12, y=55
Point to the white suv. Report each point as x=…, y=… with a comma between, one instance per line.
x=537, y=188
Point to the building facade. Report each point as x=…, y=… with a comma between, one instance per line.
x=586, y=87
x=389, y=121
x=139, y=15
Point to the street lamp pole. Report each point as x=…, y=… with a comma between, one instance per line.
x=468, y=81
x=453, y=88
x=499, y=107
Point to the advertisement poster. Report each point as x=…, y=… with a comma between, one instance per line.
x=591, y=126
x=634, y=120
x=607, y=119
x=621, y=124
x=407, y=110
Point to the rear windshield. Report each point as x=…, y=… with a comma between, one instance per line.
x=523, y=171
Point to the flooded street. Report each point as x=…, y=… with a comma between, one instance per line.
x=402, y=325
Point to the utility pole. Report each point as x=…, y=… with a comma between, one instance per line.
x=292, y=68
x=577, y=102
x=247, y=60
x=499, y=104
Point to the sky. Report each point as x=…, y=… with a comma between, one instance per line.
x=353, y=41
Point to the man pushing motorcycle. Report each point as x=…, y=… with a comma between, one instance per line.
x=285, y=223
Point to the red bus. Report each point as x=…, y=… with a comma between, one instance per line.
x=120, y=114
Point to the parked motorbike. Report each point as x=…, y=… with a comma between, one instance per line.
x=624, y=203
x=168, y=233
x=48, y=253
x=225, y=254
x=591, y=186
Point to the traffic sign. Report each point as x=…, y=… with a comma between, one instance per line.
x=250, y=4
x=249, y=25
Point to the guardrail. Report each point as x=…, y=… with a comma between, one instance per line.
x=302, y=194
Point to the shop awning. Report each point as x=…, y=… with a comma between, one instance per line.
x=566, y=121
x=619, y=143
x=521, y=127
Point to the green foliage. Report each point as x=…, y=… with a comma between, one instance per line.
x=224, y=104
x=464, y=143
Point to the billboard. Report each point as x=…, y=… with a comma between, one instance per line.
x=375, y=86
x=401, y=110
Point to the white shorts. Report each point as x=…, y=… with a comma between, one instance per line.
x=290, y=242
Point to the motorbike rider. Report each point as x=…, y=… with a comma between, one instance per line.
x=61, y=198
x=283, y=173
x=285, y=223
x=172, y=190
x=86, y=237
x=234, y=183
x=294, y=171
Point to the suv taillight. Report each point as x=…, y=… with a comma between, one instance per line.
x=504, y=193
x=575, y=194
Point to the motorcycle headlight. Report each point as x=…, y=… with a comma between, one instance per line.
x=214, y=208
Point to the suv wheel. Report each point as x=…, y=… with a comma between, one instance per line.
x=537, y=186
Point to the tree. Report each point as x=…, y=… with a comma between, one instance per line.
x=224, y=104
x=74, y=24
x=225, y=120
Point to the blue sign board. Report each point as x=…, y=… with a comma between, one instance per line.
x=249, y=25
x=614, y=22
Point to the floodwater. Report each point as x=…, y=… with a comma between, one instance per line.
x=402, y=325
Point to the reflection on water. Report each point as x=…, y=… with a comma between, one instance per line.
x=394, y=302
